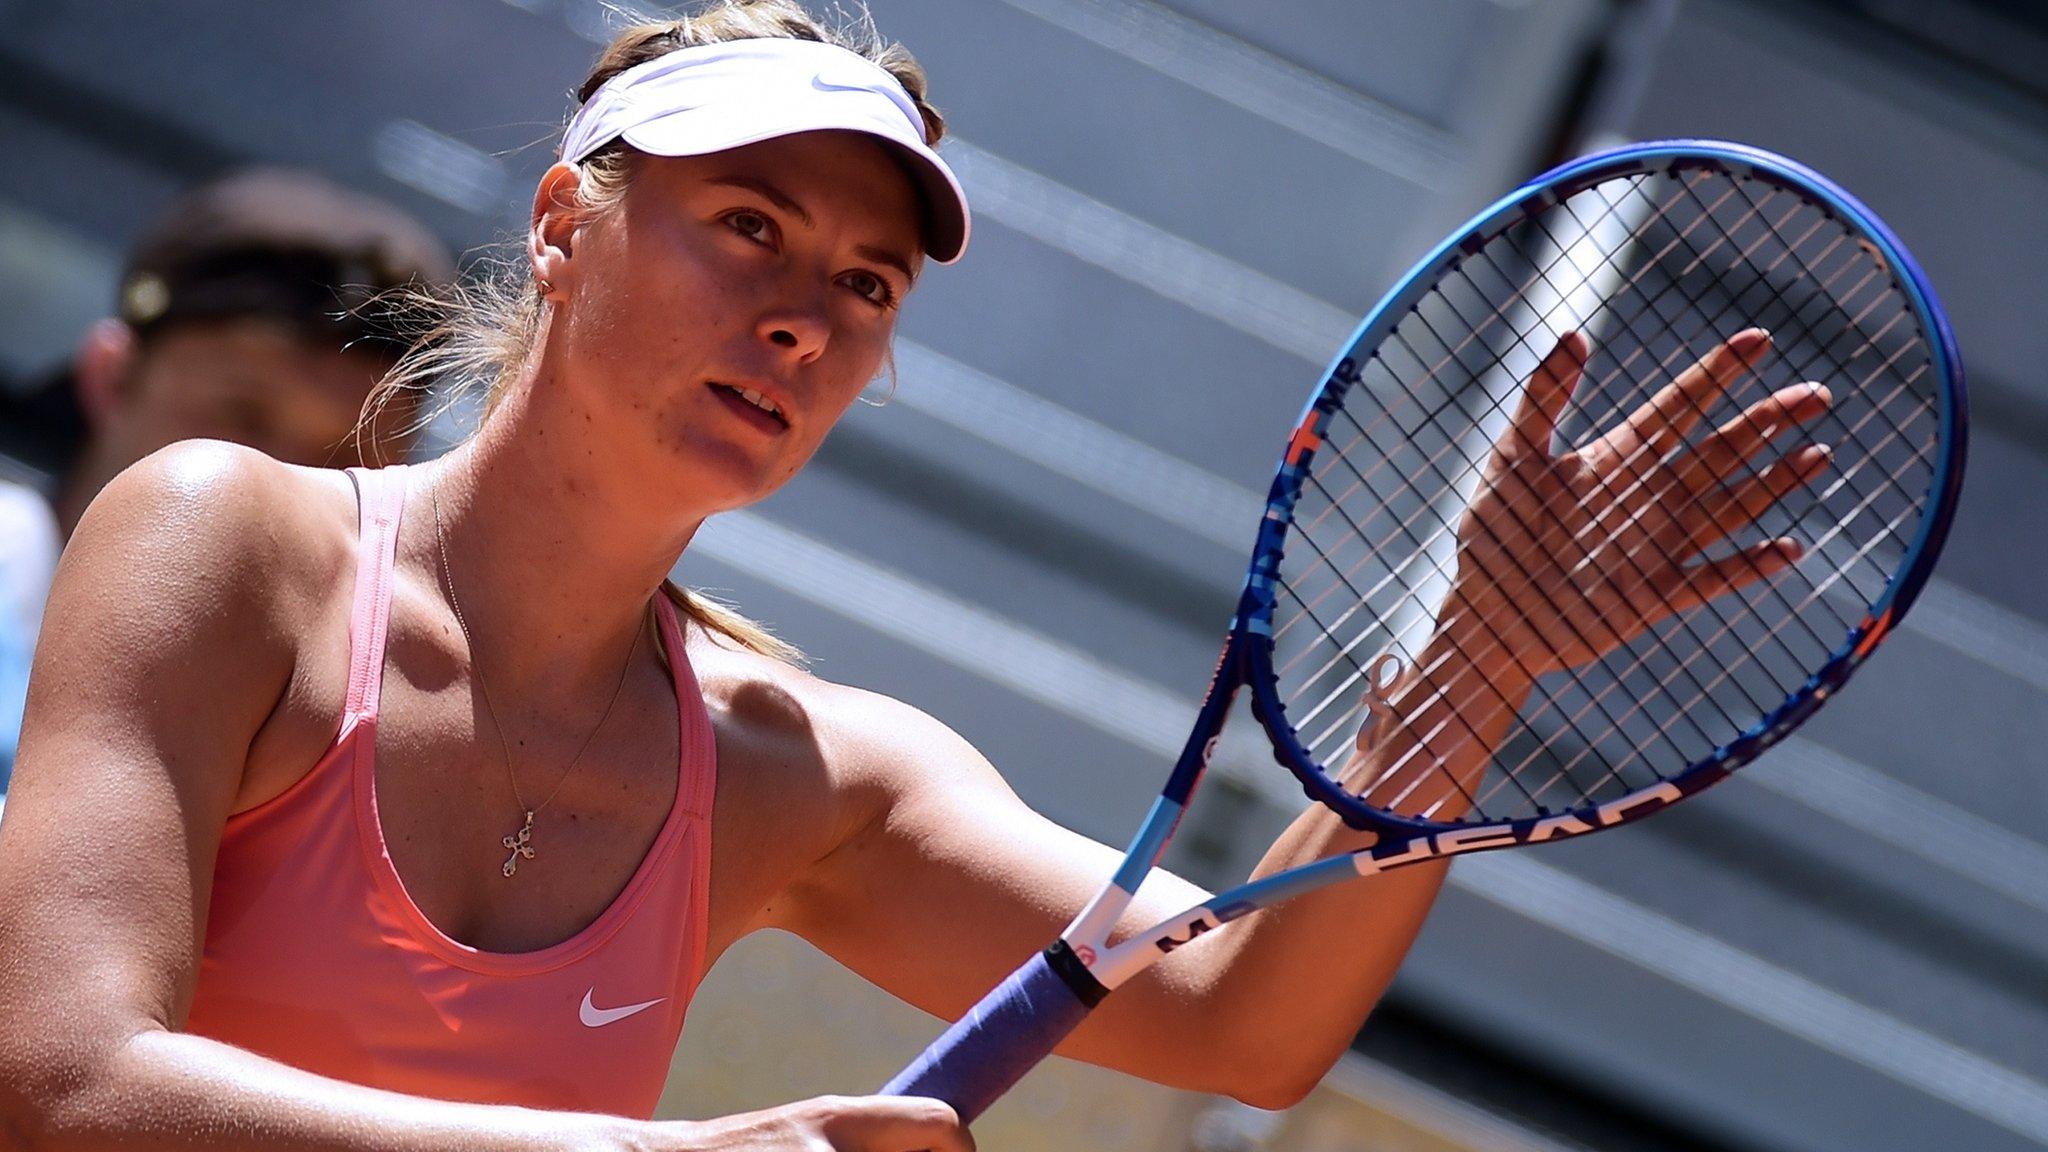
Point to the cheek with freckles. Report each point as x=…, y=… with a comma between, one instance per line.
x=642, y=321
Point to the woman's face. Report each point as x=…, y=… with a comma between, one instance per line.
x=775, y=270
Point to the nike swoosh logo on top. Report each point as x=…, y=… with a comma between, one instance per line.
x=595, y=1017
x=844, y=82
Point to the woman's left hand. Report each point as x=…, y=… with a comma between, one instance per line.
x=1563, y=558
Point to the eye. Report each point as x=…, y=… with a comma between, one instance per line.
x=870, y=287
x=755, y=226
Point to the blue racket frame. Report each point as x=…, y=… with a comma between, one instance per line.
x=1022, y=1020
x=1251, y=629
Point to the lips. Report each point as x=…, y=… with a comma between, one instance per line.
x=753, y=406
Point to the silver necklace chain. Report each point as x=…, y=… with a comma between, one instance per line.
x=521, y=841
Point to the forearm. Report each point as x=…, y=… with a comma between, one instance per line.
x=166, y=1090
x=1261, y=1010
x=953, y=856
x=1295, y=982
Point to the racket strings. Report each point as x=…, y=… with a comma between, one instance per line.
x=1472, y=330
x=1433, y=372
x=1900, y=428
x=1708, y=686
x=1900, y=313
x=1366, y=432
x=1430, y=375
x=1346, y=719
x=1336, y=502
x=1390, y=551
x=1734, y=305
x=1628, y=557
x=1827, y=347
x=1824, y=349
x=1698, y=305
x=1779, y=639
x=1726, y=624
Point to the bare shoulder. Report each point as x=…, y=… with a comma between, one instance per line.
x=806, y=765
x=204, y=554
x=215, y=508
x=859, y=743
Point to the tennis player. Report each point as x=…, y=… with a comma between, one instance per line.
x=403, y=809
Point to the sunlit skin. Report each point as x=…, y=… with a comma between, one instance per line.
x=848, y=818
x=1565, y=556
x=706, y=278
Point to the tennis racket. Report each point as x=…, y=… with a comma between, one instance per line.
x=1560, y=539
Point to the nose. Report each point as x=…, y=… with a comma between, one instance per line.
x=800, y=332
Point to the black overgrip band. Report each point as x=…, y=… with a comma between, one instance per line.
x=1074, y=974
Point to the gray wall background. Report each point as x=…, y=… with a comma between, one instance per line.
x=1182, y=208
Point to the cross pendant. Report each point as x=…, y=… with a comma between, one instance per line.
x=521, y=844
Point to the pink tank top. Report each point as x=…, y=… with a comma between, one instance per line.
x=315, y=955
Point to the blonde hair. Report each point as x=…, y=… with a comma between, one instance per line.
x=482, y=332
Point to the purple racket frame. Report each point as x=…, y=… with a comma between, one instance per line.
x=1020, y=1022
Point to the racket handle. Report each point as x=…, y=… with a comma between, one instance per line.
x=1004, y=1036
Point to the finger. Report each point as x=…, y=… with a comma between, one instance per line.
x=1549, y=390
x=1720, y=455
x=1670, y=416
x=1684, y=589
x=896, y=1124
x=1728, y=510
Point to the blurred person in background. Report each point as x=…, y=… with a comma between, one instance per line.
x=252, y=311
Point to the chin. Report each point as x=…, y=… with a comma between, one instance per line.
x=722, y=476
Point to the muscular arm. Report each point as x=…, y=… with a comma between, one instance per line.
x=952, y=882
x=167, y=641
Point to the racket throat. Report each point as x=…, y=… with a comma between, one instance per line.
x=1067, y=965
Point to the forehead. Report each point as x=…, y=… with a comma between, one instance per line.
x=847, y=178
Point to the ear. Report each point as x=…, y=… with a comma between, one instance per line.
x=102, y=368
x=550, y=237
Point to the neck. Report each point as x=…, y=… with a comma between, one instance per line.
x=553, y=558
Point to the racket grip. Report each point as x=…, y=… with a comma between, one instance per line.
x=1003, y=1037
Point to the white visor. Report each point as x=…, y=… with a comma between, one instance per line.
x=695, y=101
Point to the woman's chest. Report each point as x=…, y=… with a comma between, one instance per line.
x=454, y=828
x=452, y=781
x=448, y=796
x=517, y=844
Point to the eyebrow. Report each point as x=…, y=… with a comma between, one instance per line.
x=784, y=201
x=770, y=192
x=885, y=257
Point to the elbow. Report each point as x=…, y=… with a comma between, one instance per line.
x=1275, y=1068
x=34, y=1096
x=1275, y=1094
x=49, y=1090
x=1270, y=1078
